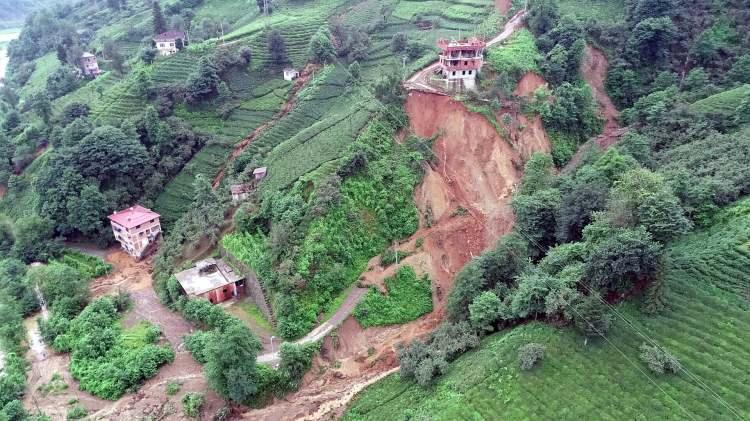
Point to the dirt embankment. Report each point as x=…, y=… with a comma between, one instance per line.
x=464, y=201
x=594, y=67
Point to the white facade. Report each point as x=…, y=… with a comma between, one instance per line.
x=290, y=74
x=166, y=48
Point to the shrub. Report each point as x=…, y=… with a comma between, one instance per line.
x=77, y=412
x=196, y=344
x=530, y=354
x=409, y=297
x=173, y=387
x=659, y=360
x=191, y=404
x=390, y=257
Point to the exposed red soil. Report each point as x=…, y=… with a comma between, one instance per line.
x=476, y=170
x=502, y=6
x=299, y=83
x=594, y=68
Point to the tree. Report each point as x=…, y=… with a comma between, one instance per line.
x=536, y=218
x=95, y=157
x=740, y=71
x=355, y=71
x=659, y=360
x=577, y=208
x=76, y=131
x=230, y=363
x=530, y=354
x=34, y=239
x=398, y=42
x=160, y=25
x=277, y=47
x=6, y=238
x=86, y=212
x=543, y=16
x=73, y=111
x=148, y=55
x=42, y=106
x=61, y=81
x=112, y=52
x=651, y=40
x=642, y=197
x=203, y=83
x=591, y=316
x=645, y=9
x=538, y=173
x=60, y=285
x=619, y=258
x=485, y=310
x=320, y=49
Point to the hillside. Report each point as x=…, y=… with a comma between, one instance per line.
x=430, y=209
x=707, y=289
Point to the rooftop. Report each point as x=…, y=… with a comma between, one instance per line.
x=207, y=275
x=470, y=43
x=134, y=216
x=87, y=55
x=260, y=171
x=169, y=35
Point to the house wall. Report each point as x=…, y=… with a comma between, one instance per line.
x=219, y=295
x=137, y=239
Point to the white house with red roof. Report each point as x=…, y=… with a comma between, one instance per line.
x=137, y=229
x=169, y=42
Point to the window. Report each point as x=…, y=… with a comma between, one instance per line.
x=171, y=44
x=454, y=73
x=469, y=71
x=466, y=63
x=463, y=72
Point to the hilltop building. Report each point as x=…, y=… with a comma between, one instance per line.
x=169, y=42
x=260, y=173
x=240, y=192
x=461, y=60
x=212, y=279
x=137, y=229
x=290, y=74
x=89, y=66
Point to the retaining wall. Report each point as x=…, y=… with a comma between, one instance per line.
x=253, y=287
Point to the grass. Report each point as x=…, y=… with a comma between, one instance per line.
x=45, y=66
x=253, y=312
x=704, y=326
x=516, y=56
x=724, y=103
x=603, y=11
x=89, y=266
x=55, y=386
x=139, y=335
x=21, y=203
x=408, y=298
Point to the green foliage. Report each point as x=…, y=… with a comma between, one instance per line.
x=517, y=56
x=196, y=343
x=408, y=298
x=230, y=362
x=103, y=359
x=76, y=413
x=202, y=84
x=659, y=360
x=192, y=404
x=573, y=111
x=321, y=47
x=485, y=310
x=530, y=354
x=33, y=240
x=390, y=257
x=173, y=387
x=296, y=360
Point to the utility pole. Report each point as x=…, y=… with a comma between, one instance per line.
x=221, y=25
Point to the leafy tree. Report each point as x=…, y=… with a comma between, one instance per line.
x=13, y=282
x=277, y=47
x=320, y=49
x=59, y=283
x=148, y=55
x=651, y=40
x=529, y=297
x=485, y=310
x=73, y=111
x=740, y=71
x=398, y=42
x=621, y=258
x=230, y=363
x=160, y=24
x=34, y=239
x=530, y=354
x=112, y=52
x=296, y=360
x=76, y=131
x=192, y=404
x=95, y=157
x=573, y=111
x=203, y=83
x=578, y=204
x=536, y=218
x=659, y=360
x=41, y=104
x=61, y=81
x=538, y=173
x=355, y=71
x=543, y=16
x=87, y=212
x=642, y=197
x=645, y=9
x=591, y=316
x=6, y=238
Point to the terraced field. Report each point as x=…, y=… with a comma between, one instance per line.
x=175, y=68
x=724, y=103
x=705, y=326
x=264, y=99
x=45, y=66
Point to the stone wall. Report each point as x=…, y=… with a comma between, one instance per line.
x=253, y=287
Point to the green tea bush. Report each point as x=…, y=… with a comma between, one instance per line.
x=408, y=298
x=530, y=354
x=659, y=360
x=192, y=404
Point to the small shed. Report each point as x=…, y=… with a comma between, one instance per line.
x=260, y=173
x=290, y=74
x=88, y=64
x=240, y=192
x=212, y=279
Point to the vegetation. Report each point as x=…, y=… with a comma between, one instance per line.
x=516, y=57
x=191, y=404
x=408, y=298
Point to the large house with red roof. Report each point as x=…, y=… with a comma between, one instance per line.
x=137, y=229
x=461, y=60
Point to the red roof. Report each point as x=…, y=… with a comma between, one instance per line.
x=132, y=217
x=462, y=44
x=169, y=36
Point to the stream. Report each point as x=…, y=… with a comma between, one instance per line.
x=36, y=344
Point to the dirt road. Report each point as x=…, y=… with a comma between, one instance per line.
x=325, y=328
x=420, y=81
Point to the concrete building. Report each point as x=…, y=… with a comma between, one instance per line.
x=169, y=42
x=212, y=279
x=137, y=229
x=89, y=66
x=290, y=74
x=260, y=173
x=461, y=61
x=240, y=192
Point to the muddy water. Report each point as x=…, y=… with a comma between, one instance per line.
x=6, y=36
x=36, y=345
